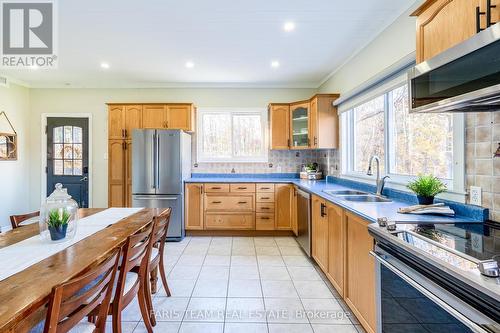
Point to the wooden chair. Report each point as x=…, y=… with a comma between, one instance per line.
x=156, y=262
x=74, y=300
x=17, y=220
x=132, y=282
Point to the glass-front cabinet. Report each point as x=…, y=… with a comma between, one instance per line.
x=299, y=121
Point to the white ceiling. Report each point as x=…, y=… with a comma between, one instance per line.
x=231, y=42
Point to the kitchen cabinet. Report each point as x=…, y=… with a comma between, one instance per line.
x=299, y=126
x=116, y=173
x=193, y=207
x=295, y=221
x=283, y=211
x=323, y=118
x=319, y=227
x=310, y=124
x=442, y=24
x=168, y=116
x=122, y=119
x=360, y=271
x=279, y=126
x=154, y=116
x=336, y=246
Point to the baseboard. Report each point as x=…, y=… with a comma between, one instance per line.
x=240, y=233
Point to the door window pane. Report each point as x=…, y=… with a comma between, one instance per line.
x=68, y=157
x=68, y=134
x=77, y=168
x=68, y=167
x=247, y=135
x=77, y=135
x=68, y=151
x=77, y=151
x=369, y=133
x=58, y=151
x=422, y=143
x=58, y=134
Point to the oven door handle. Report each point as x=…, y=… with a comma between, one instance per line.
x=466, y=321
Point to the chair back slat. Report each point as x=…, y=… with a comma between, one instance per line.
x=161, y=227
x=74, y=300
x=16, y=220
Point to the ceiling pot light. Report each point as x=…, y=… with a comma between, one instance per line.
x=275, y=64
x=104, y=65
x=189, y=64
x=289, y=26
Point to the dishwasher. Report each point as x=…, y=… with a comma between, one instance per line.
x=304, y=221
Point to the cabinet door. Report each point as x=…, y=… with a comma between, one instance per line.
x=154, y=116
x=299, y=126
x=319, y=233
x=295, y=224
x=443, y=24
x=283, y=209
x=132, y=119
x=128, y=173
x=194, y=207
x=324, y=122
x=116, y=173
x=336, y=232
x=116, y=124
x=313, y=122
x=360, y=271
x=179, y=117
x=279, y=126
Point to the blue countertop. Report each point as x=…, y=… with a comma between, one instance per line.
x=368, y=210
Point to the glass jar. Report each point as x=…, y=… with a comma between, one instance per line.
x=58, y=216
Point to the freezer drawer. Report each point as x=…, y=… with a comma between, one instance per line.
x=176, y=226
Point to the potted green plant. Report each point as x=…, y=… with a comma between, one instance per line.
x=426, y=187
x=58, y=224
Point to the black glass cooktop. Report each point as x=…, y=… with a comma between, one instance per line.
x=461, y=245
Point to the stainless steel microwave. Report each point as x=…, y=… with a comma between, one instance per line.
x=464, y=78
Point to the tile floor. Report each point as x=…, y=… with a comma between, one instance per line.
x=243, y=284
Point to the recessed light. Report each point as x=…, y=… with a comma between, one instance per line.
x=104, y=65
x=189, y=64
x=275, y=64
x=289, y=26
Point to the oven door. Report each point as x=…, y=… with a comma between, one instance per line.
x=410, y=302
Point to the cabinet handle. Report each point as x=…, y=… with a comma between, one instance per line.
x=166, y=124
x=242, y=202
x=216, y=202
x=288, y=143
x=315, y=141
x=264, y=218
x=308, y=142
x=215, y=188
x=265, y=198
x=323, y=206
x=489, y=6
x=125, y=131
x=265, y=188
x=242, y=188
x=264, y=208
x=479, y=13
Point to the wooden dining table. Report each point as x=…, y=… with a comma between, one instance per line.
x=24, y=295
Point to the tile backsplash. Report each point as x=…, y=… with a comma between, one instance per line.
x=482, y=136
x=280, y=161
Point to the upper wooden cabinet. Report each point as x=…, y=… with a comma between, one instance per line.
x=154, y=116
x=279, y=129
x=311, y=124
x=299, y=126
x=442, y=24
x=171, y=116
x=122, y=119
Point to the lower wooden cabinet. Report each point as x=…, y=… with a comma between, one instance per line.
x=360, y=271
x=116, y=173
x=193, y=207
x=319, y=232
x=336, y=246
x=230, y=221
x=295, y=222
x=283, y=198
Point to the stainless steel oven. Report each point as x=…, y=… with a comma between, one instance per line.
x=408, y=301
x=304, y=221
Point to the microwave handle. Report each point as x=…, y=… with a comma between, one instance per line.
x=466, y=321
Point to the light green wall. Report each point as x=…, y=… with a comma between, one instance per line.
x=94, y=101
x=14, y=175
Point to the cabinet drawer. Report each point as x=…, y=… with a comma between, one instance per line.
x=264, y=207
x=264, y=221
x=230, y=221
x=245, y=188
x=217, y=188
x=265, y=187
x=265, y=197
x=229, y=202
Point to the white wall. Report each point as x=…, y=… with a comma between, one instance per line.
x=14, y=175
x=394, y=43
x=94, y=101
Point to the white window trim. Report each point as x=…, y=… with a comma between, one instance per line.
x=265, y=134
x=456, y=186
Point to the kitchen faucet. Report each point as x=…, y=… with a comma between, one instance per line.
x=380, y=183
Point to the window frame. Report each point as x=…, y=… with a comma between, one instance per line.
x=262, y=112
x=456, y=185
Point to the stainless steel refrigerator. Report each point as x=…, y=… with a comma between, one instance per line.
x=161, y=160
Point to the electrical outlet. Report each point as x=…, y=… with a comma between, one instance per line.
x=475, y=195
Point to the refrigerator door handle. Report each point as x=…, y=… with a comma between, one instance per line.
x=153, y=155
x=157, y=183
x=155, y=198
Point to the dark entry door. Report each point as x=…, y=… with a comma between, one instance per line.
x=68, y=156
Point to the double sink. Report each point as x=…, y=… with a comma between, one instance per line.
x=356, y=196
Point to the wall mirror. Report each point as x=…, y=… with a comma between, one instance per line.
x=8, y=139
